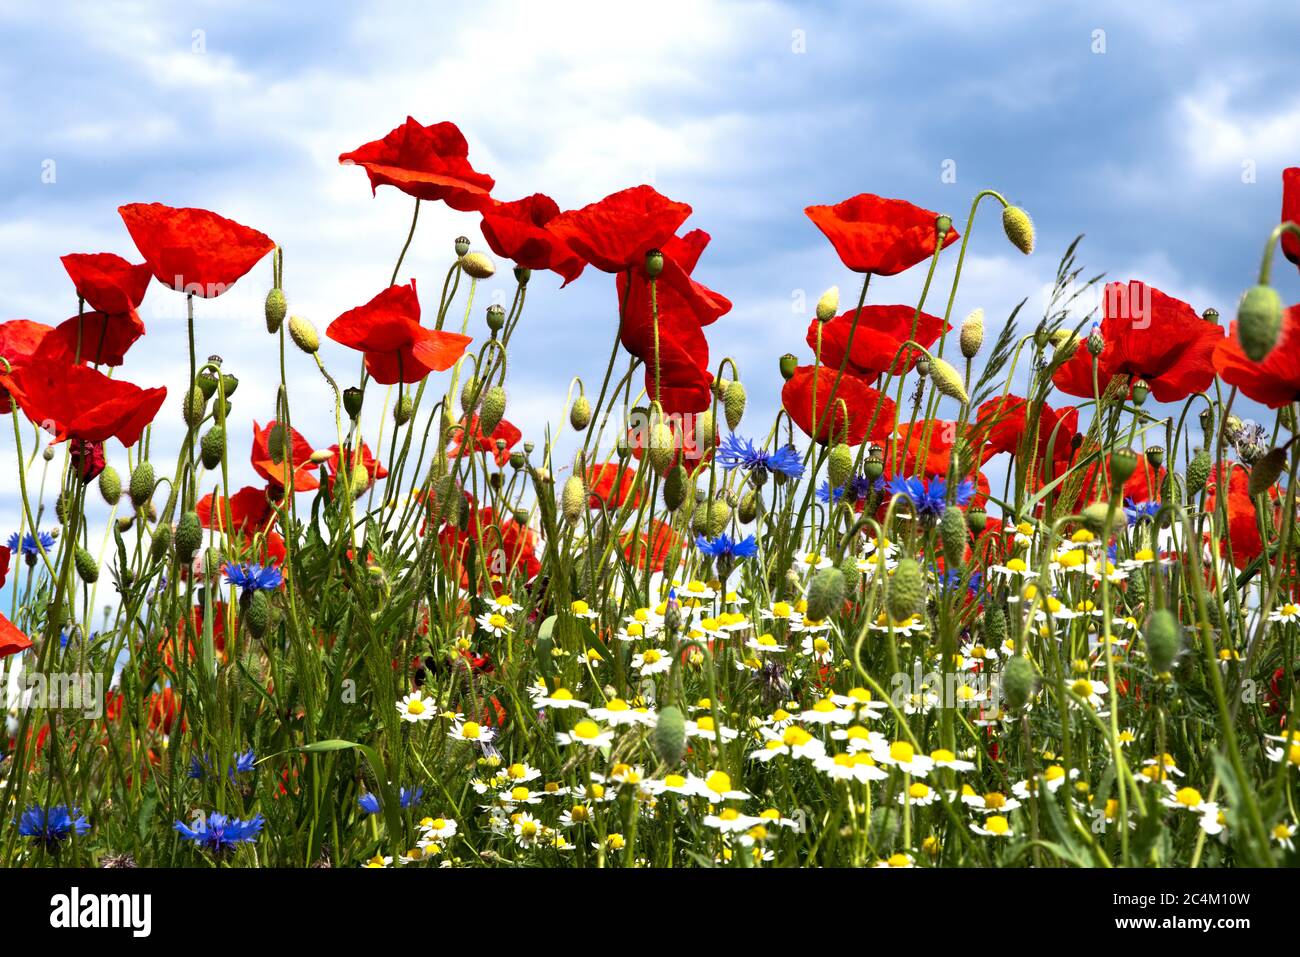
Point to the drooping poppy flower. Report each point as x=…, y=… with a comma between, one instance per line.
x=250, y=511
x=681, y=307
x=397, y=348
x=1150, y=336
x=518, y=231
x=363, y=457
x=1291, y=212
x=1003, y=421
x=877, y=235
x=651, y=548
x=505, y=432
x=880, y=334
x=609, y=485
x=107, y=282
x=617, y=231
x=869, y=413
x=87, y=458
x=194, y=251
x=298, y=460
x=12, y=640
x=427, y=162
x=77, y=402
x=1275, y=381
x=100, y=338
x=1243, y=526
x=19, y=340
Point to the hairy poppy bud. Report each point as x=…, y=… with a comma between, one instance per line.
x=906, y=590
x=839, y=465
x=110, y=485
x=654, y=263
x=662, y=447
x=1123, y=463
x=580, y=413
x=954, y=536
x=972, y=334
x=1207, y=421
x=789, y=363
x=711, y=518
x=1259, y=321
x=87, y=567
x=829, y=304
x=352, y=400
x=275, y=443
x=948, y=380
x=995, y=626
x=669, y=737
x=496, y=317
x=189, y=537
x=304, y=334
x=141, y=485
x=1164, y=639
x=748, y=510
x=258, y=614
x=462, y=246
x=1018, y=681
x=276, y=307
x=478, y=265
x=403, y=410
x=706, y=432
x=1266, y=471
x=1019, y=228
x=1094, y=517
x=1140, y=391
x=212, y=446
x=573, y=499
x=733, y=405
x=675, y=488
x=825, y=594
x=192, y=409
x=492, y=409
x=1198, y=472
x=467, y=394
x=161, y=543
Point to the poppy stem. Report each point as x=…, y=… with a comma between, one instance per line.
x=409, y=236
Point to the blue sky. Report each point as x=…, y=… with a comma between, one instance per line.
x=749, y=112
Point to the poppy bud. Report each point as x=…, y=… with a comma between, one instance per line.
x=972, y=334
x=669, y=737
x=141, y=485
x=654, y=263
x=1095, y=516
x=467, y=394
x=1198, y=472
x=711, y=518
x=906, y=590
x=258, y=614
x=403, y=410
x=706, y=433
x=1140, y=391
x=1259, y=321
x=212, y=446
x=621, y=446
x=1156, y=456
x=573, y=499
x=360, y=479
x=110, y=485
x=275, y=443
x=462, y=246
x=492, y=409
x=496, y=317
x=192, y=410
x=789, y=364
x=825, y=594
x=976, y=519
x=1018, y=682
x=87, y=567
x=1123, y=463
x=522, y=275
x=1164, y=640
x=189, y=537
x=995, y=626
x=829, y=304
x=478, y=265
x=733, y=405
x=953, y=535
x=1211, y=315
x=124, y=523
x=675, y=488
x=303, y=334
x=580, y=413
x=839, y=465
x=948, y=380
x=1019, y=228
x=161, y=543
x=1266, y=471
x=662, y=447
x=276, y=307
x=748, y=508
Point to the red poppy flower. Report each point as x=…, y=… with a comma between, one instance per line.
x=100, y=338
x=87, y=458
x=691, y=447
x=77, y=402
x=620, y=229
x=106, y=281
x=880, y=333
x=427, y=162
x=870, y=414
x=877, y=235
x=363, y=457
x=299, y=460
x=1243, y=526
x=505, y=431
x=682, y=307
x=504, y=545
x=651, y=548
x=194, y=251
x=397, y=348
x=938, y=436
x=19, y=339
x=250, y=511
x=4, y=564
x=1275, y=381
x=1291, y=212
x=1003, y=421
x=1150, y=336
x=12, y=640
x=518, y=231
x=1143, y=485
x=609, y=485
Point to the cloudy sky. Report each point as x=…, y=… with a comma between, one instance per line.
x=1158, y=129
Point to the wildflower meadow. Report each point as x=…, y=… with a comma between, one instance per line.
x=914, y=619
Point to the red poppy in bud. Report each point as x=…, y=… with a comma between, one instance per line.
x=651, y=548
x=877, y=235
x=298, y=460
x=1275, y=381
x=364, y=457
x=1243, y=525
x=427, y=162
x=19, y=339
x=397, y=348
x=1291, y=212
x=857, y=411
x=518, y=231
x=682, y=307
x=1148, y=336
x=250, y=511
x=609, y=485
x=108, y=283
x=77, y=402
x=12, y=640
x=880, y=334
x=620, y=229
x=193, y=251
x=478, y=442
x=100, y=338
x=1003, y=422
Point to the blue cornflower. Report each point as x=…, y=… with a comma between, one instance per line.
x=29, y=547
x=242, y=764
x=827, y=494
x=52, y=827
x=855, y=491
x=1139, y=511
x=724, y=547
x=407, y=797
x=369, y=802
x=930, y=498
x=219, y=833
x=411, y=796
x=251, y=578
x=736, y=452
